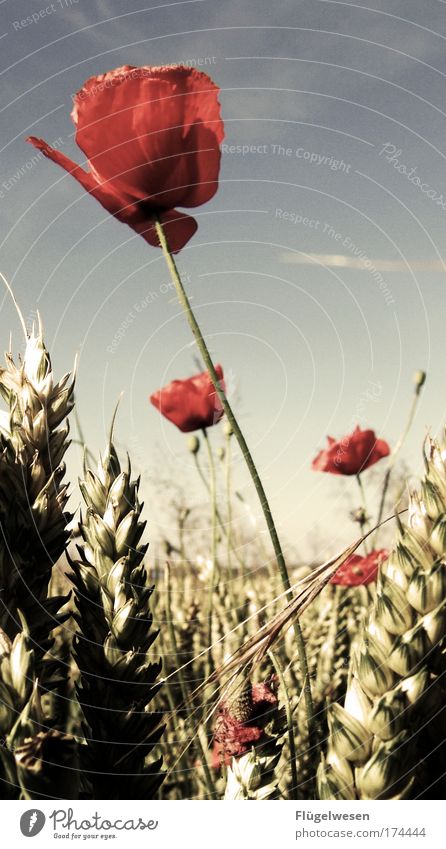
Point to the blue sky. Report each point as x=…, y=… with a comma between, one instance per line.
x=284, y=271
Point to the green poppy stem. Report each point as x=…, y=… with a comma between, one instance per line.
x=220, y=520
x=228, y=476
x=365, y=524
x=203, y=349
x=213, y=498
x=420, y=378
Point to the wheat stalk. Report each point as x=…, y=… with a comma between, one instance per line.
x=117, y=678
x=33, y=522
x=33, y=441
x=390, y=719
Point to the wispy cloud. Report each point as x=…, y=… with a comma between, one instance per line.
x=364, y=264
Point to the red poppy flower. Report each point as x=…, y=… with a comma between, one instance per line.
x=152, y=140
x=239, y=726
x=351, y=454
x=358, y=570
x=191, y=404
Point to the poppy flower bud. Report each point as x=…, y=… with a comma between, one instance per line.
x=227, y=429
x=221, y=454
x=193, y=444
x=419, y=379
x=360, y=516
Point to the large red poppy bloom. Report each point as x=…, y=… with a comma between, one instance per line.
x=152, y=140
x=351, y=454
x=191, y=404
x=358, y=570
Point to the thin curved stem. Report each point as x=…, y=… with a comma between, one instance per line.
x=213, y=495
x=218, y=514
x=365, y=524
x=202, y=347
x=396, y=450
x=228, y=481
x=228, y=470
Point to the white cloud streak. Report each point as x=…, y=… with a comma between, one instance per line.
x=363, y=264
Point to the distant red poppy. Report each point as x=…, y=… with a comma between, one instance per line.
x=357, y=570
x=352, y=454
x=235, y=732
x=191, y=404
x=152, y=140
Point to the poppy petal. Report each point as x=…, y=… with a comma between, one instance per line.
x=154, y=131
x=86, y=179
x=178, y=227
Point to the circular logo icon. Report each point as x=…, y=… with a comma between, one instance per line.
x=32, y=822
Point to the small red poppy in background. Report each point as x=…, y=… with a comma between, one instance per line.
x=191, y=404
x=352, y=454
x=152, y=140
x=241, y=723
x=358, y=570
